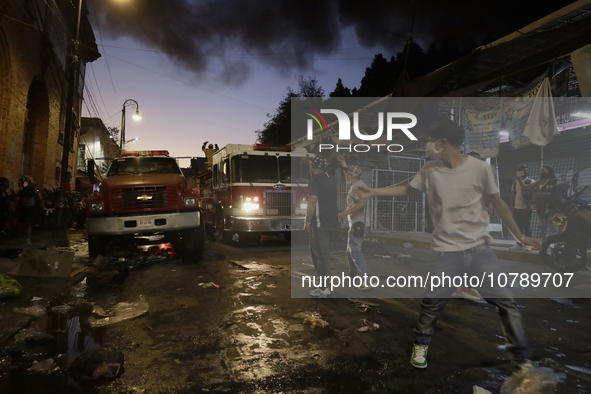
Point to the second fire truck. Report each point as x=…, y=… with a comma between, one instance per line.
x=255, y=189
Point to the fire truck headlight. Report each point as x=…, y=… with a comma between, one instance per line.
x=190, y=201
x=248, y=206
x=304, y=205
x=97, y=206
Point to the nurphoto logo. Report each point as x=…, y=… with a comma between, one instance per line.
x=344, y=122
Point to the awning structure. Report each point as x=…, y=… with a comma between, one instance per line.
x=511, y=60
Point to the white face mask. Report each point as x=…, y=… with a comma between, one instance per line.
x=431, y=152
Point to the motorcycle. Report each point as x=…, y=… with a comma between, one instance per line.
x=568, y=250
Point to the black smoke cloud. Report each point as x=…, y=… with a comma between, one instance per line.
x=227, y=37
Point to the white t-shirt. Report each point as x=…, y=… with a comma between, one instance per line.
x=454, y=198
x=352, y=200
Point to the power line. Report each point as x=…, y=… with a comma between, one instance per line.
x=104, y=51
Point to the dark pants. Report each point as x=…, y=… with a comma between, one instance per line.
x=320, y=238
x=523, y=220
x=474, y=261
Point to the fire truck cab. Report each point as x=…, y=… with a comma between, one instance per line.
x=255, y=189
x=144, y=198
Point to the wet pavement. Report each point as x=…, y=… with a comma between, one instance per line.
x=249, y=336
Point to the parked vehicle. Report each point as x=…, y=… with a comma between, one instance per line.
x=568, y=251
x=255, y=189
x=144, y=199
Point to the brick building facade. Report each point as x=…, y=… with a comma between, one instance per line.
x=35, y=38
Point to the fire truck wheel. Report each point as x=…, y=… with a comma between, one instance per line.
x=96, y=246
x=193, y=243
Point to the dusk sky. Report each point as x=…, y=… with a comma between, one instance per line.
x=213, y=70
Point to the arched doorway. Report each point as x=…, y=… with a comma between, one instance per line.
x=34, y=148
x=7, y=155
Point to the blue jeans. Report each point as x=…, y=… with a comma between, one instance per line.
x=355, y=258
x=474, y=261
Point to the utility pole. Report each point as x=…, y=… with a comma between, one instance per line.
x=60, y=236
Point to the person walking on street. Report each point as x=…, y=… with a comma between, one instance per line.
x=455, y=185
x=541, y=190
x=521, y=204
x=321, y=221
x=29, y=206
x=356, y=214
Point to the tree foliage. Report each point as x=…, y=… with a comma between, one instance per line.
x=277, y=130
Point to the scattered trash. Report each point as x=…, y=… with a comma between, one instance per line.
x=35, y=310
x=530, y=380
x=79, y=291
x=45, y=366
x=9, y=287
x=315, y=322
x=364, y=305
x=37, y=299
x=98, y=364
x=121, y=312
x=45, y=263
x=404, y=256
x=26, y=333
x=235, y=237
x=172, y=270
x=100, y=312
x=368, y=326
x=99, y=261
x=480, y=390
x=64, y=309
x=208, y=285
x=384, y=256
x=407, y=245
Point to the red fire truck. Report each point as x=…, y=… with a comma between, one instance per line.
x=255, y=189
x=144, y=199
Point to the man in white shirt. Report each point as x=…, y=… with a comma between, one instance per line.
x=455, y=185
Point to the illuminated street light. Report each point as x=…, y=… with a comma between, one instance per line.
x=137, y=116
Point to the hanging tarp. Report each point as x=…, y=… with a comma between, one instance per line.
x=482, y=132
x=541, y=126
x=515, y=114
x=581, y=59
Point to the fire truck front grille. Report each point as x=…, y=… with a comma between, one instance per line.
x=279, y=202
x=144, y=197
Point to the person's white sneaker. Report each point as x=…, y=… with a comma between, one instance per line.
x=419, y=356
x=316, y=292
x=325, y=293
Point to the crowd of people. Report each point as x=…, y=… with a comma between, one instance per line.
x=461, y=192
x=26, y=209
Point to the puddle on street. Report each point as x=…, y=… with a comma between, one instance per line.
x=72, y=338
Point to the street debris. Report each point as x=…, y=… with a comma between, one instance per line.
x=79, y=291
x=404, y=256
x=368, y=326
x=9, y=287
x=99, y=262
x=37, y=299
x=530, y=380
x=121, y=312
x=98, y=364
x=27, y=333
x=63, y=309
x=100, y=312
x=45, y=366
x=315, y=322
x=35, y=311
x=363, y=306
x=384, y=256
x=407, y=245
x=480, y=390
x=208, y=285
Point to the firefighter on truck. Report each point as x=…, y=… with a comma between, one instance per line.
x=143, y=195
x=255, y=189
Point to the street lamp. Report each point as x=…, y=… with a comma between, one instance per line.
x=133, y=103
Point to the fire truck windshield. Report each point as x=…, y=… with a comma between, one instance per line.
x=291, y=170
x=144, y=165
x=269, y=169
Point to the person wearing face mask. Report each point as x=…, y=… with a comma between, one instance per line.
x=455, y=185
x=356, y=214
x=521, y=204
x=541, y=191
